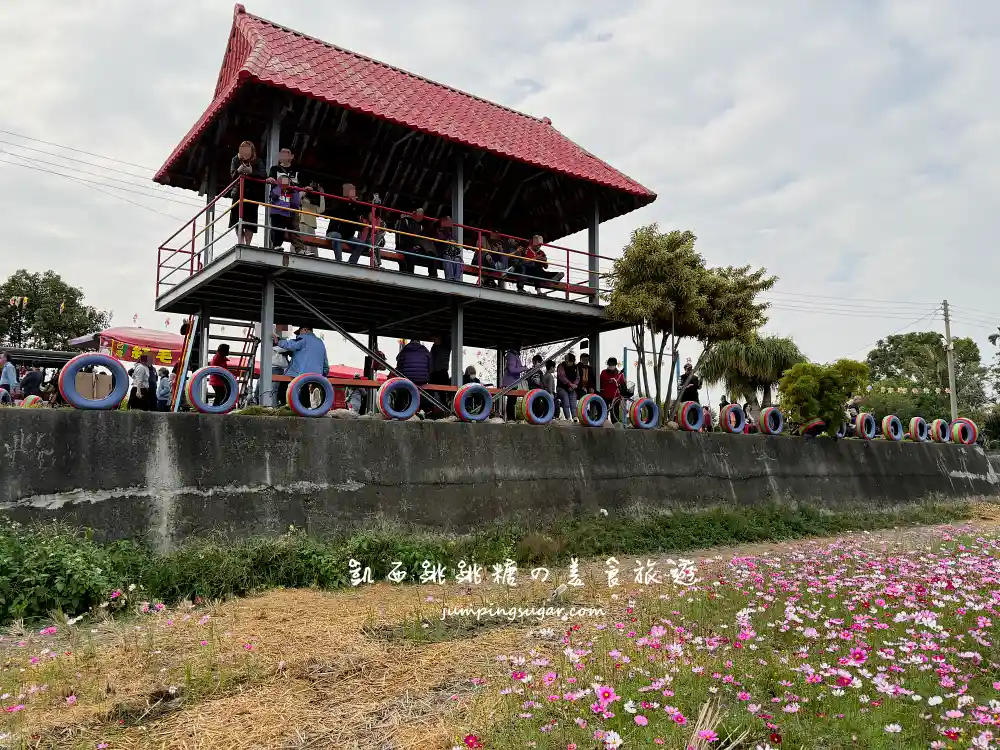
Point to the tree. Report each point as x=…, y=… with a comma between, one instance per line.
x=53, y=314
x=662, y=287
x=751, y=366
x=810, y=391
x=919, y=360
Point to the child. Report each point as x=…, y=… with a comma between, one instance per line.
x=284, y=199
x=163, y=388
x=549, y=378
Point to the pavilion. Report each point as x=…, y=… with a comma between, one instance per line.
x=414, y=142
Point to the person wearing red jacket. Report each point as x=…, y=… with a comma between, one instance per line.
x=612, y=381
x=220, y=391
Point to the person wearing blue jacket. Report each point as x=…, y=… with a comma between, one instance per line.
x=308, y=353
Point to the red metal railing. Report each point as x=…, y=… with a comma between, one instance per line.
x=576, y=273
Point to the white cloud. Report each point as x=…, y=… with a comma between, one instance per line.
x=848, y=147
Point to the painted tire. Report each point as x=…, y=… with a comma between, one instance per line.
x=67, y=381
x=771, y=421
x=398, y=385
x=583, y=409
x=811, y=424
x=732, y=419
x=892, y=428
x=972, y=426
x=865, y=425
x=964, y=432
x=691, y=418
x=940, y=431
x=295, y=391
x=644, y=405
x=842, y=430
x=919, y=432
x=467, y=396
x=192, y=389
x=32, y=402
x=526, y=406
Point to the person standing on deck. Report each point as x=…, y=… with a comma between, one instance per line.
x=513, y=370
x=284, y=168
x=440, y=361
x=690, y=392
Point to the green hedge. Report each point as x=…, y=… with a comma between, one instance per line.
x=49, y=568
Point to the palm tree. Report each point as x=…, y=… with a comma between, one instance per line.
x=751, y=367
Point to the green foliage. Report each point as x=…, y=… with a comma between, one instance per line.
x=900, y=400
x=49, y=568
x=53, y=315
x=810, y=391
x=919, y=360
x=752, y=366
x=663, y=286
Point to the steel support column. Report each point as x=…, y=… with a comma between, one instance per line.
x=593, y=247
x=265, y=384
x=271, y=158
x=204, y=324
x=211, y=190
x=458, y=197
x=596, y=365
x=457, y=339
x=370, y=372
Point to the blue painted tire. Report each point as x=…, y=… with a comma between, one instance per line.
x=771, y=421
x=295, y=391
x=583, y=409
x=393, y=386
x=691, y=417
x=919, y=431
x=193, y=389
x=468, y=395
x=864, y=426
x=119, y=379
x=528, y=403
x=892, y=428
x=738, y=416
x=643, y=406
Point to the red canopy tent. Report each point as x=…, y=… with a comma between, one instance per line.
x=129, y=343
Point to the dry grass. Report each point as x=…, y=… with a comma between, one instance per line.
x=351, y=669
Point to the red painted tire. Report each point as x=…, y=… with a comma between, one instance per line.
x=690, y=417
x=732, y=419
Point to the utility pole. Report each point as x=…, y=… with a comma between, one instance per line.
x=950, y=351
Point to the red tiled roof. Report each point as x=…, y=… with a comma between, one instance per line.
x=265, y=52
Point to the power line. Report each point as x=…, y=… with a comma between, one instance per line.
x=97, y=186
x=117, y=185
x=80, y=161
x=845, y=313
x=77, y=150
x=810, y=296
x=846, y=308
x=98, y=189
x=931, y=314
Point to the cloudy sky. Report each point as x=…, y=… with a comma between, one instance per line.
x=849, y=147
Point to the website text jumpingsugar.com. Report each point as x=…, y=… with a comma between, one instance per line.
x=520, y=613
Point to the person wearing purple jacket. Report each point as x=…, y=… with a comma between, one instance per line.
x=414, y=361
x=567, y=383
x=512, y=371
x=284, y=198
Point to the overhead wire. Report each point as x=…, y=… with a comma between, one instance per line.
x=876, y=302
x=77, y=150
x=133, y=187
x=931, y=314
x=93, y=184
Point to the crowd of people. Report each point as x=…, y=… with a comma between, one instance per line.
x=293, y=206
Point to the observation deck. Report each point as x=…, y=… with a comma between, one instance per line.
x=492, y=186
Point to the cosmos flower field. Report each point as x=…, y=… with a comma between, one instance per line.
x=830, y=646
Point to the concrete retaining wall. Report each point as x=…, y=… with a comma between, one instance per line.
x=169, y=477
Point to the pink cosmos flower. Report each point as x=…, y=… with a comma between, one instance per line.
x=71, y=700
x=641, y=720
x=708, y=735
x=679, y=719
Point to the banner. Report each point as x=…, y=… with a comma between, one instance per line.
x=130, y=352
